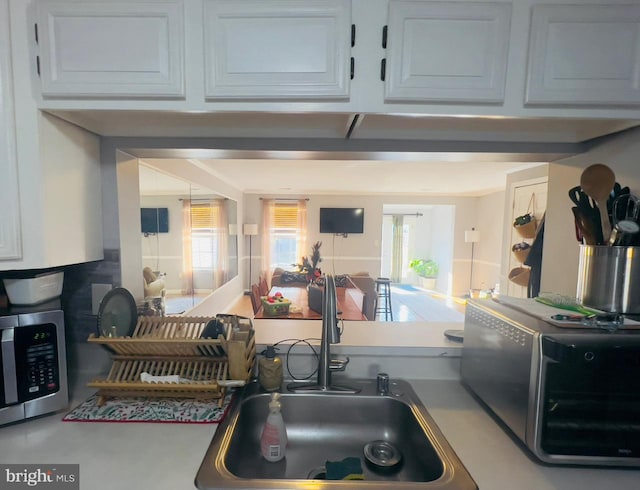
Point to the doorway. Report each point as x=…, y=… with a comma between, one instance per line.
x=414, y=231
x=529, y=196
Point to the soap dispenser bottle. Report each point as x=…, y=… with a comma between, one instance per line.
x=270, y=370
x=273, y=441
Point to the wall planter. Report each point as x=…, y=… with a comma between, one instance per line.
x=521, y=251
x=520, y=276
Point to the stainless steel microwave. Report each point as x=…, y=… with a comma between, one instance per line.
x=33, y=361
x=572, y=396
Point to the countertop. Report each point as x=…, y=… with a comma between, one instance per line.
x=167, y=456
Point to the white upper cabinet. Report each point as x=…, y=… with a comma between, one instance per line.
x=111, y=49
x=584, y=55
x=277, y=49
x=10, y=232
x=505, y=58
x=447, y=51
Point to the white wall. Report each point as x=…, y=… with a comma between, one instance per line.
x=126, y=193
x=362, y=252
x=163, y=251
x=487, y=258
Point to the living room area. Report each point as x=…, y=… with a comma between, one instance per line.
x=424, y=228
x=408, y=232
x=412, y=246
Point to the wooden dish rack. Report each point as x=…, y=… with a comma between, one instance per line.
x=171, y=346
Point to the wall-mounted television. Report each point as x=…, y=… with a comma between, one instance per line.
x=342, y=221
x=154, y=220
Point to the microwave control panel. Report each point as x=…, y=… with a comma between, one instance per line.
x=37, y=361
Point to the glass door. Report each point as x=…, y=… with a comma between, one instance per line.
x=398, y=236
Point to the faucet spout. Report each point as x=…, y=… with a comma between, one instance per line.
x=330, y=335
x=330, y=330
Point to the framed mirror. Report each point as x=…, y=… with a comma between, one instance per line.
x=189, y=241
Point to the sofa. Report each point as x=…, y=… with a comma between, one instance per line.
x=283, y=278
x=154, y=293
x=365, y=283
x=153, y=286
x=361, y=280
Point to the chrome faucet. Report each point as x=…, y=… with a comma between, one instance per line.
x=330, y=335
x=382, y=384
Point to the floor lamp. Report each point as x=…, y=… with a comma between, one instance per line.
x=250, y=230
x=471, y=236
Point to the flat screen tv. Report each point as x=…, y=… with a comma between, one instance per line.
x=342, y=221
x=154, y=220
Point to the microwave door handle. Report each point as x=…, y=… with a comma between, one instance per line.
x=9, y=366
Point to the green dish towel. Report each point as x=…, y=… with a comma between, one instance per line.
x=348, y=469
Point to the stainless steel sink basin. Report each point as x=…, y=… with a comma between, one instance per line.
x=323, y=427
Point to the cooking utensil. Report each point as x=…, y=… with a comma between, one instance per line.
x=597, y=181
x=627, y=206
x=626, y=219
x=578, y=230
x=117, y=314
x=617, y=191
x=584, y=225
x=587, y=217
x=623, y=233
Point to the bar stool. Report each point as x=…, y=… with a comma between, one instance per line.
x=383, y=298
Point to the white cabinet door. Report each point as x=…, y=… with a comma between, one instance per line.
x=447, y=51
x=123, y=49
x=10, y=231
x=277, y=49
x=584, y=55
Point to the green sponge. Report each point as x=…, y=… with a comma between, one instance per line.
x=348, y=469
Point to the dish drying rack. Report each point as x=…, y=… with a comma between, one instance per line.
x=172, y=346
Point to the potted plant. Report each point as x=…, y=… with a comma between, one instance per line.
x=427, y=271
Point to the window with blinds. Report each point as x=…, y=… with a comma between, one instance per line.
x=284, y=232
x=204, y=225
x=203, y=217
x=285, y=217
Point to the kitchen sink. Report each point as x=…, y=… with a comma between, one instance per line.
x=333, y=426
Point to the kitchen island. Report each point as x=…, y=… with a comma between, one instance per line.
x=167, y=456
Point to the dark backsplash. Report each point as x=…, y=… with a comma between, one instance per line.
x=76, y=293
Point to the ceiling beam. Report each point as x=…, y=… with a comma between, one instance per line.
x=343, y=149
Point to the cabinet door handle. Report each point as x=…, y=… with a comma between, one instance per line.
x=353, y=67
x=353, y=35
x=384, y=37
x=383, y=69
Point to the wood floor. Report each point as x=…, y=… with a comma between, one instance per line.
x=411, y=304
